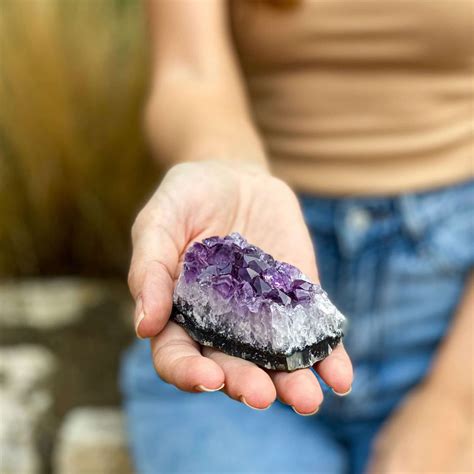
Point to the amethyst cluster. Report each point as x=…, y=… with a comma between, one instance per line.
x=244, y=274
x=233, y=296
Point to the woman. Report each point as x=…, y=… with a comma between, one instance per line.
x=365, y=109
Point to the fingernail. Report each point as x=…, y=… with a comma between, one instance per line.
x=305, y=414
x=343, y=394
x=202, y=388
x=139, y=316
x=242, y=399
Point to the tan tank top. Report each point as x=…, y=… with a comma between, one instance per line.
x=361, y=96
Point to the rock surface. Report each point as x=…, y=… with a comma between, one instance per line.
x=92, y=440
x=48, y=304
x=61, y=341
x=85, y=323
x=26, y=403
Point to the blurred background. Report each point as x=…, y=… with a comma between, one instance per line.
x=73, y=172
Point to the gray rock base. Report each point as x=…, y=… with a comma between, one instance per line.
x=269, y=360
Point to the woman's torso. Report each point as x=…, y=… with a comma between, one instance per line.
x=361, y=96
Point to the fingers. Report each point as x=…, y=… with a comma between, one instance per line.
x=299, y=389
x=244, y=381
x=151, y=277
x=336, y=370
x=178, y=361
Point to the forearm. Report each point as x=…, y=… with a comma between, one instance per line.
x=198, y=107
x=453, y=367
x=188, y=120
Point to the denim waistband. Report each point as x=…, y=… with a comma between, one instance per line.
x=359, y=220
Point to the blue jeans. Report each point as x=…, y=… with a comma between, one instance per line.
x=396, y=267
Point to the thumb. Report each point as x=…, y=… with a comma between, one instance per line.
x=152, y=271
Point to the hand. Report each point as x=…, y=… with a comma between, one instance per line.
x=431, y=432
x=198, y=200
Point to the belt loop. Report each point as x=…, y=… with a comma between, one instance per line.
x=411, y=218
x=352, y=225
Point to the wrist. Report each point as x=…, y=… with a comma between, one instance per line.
x=248, y=154
x=249, y=164
x=204, y=138
x=232, y=168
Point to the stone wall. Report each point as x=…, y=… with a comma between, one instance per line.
x=60, y=346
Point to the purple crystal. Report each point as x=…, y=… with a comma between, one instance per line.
x=301, y=296
x=276, y=279
x=290, y=271
x=302, y=285
x=199, y=254
x=224, y=285
x=234, y=296
x=220, y=255
x=258, y=265
x=261, y=287
x=211, y=241
x=279, y=297
x=244, y=295
x=247, y=274
x=268, y=281
x=208, y=272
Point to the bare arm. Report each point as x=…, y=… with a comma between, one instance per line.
x=453, y=370
x=197, y=108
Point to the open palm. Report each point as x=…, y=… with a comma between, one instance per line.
x=198, y=200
